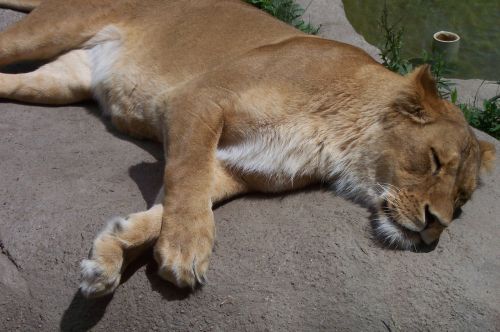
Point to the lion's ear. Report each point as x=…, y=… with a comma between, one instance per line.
x=420, y=100
x=410, y=106
x=425, y=82
x=487, y=155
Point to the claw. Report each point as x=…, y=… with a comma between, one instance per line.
x=201, y=279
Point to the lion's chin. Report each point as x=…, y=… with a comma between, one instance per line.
x=395, y=236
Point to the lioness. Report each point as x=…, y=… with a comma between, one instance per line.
x=243, y=103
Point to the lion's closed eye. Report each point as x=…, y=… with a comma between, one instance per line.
x=436, y=162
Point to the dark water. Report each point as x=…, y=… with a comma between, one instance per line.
x=476, y=21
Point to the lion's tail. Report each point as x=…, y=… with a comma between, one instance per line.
x=21, y=5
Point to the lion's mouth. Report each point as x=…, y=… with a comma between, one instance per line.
x=393, y=235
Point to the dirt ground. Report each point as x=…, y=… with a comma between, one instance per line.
x=299, y=262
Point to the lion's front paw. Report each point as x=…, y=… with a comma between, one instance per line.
x=97, y=280
x=183, y=252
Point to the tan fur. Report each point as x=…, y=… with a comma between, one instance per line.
x=242, y=103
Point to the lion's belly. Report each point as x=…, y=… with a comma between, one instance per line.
x=122, y=90
x=131, y=110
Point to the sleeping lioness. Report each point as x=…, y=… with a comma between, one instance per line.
x=243, y=103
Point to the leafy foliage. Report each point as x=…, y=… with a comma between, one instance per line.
x=287, y=11
x=439, y=69
x=391, y=51
x=486, y=119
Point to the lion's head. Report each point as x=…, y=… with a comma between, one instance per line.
x=428, y=166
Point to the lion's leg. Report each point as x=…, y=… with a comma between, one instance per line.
x=184, y=247
x=53, y=28
x=121, y=241
x=21, y=5
x=125, y=239
x=65, y=80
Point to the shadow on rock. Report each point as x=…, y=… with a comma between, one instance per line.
x=257, y=196
x=83, y=314
x=147, y=176
x=166, y=289
x=149, y=179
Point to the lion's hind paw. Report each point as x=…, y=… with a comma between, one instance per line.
x=95, y=281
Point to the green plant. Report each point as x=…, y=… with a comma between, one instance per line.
x=392, y=58
x=287, y=11
x=391, y=50
x=439, y=68
x=486, y=119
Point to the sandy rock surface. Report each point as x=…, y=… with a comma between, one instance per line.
x=330, y=15
x=299, y=262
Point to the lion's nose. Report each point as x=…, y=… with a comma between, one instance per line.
x=428, y=225
x=431, y=218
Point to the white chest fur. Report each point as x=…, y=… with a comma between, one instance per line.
x=284, y=151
